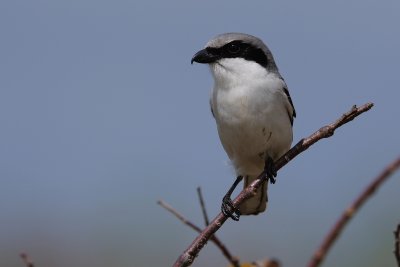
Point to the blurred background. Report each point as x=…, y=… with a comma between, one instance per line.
x=102, y=115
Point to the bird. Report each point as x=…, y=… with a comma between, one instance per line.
x=253, y=111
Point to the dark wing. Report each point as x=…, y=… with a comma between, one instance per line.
x=293, y=115
x=212, y=111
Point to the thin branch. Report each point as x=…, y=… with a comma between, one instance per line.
x=232, y=259
x=337, y=229
x=27, y=260
x=188, y=256
x=203, y=206
x=397, y=244
x=178, y=215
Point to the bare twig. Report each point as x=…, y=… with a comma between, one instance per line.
x=397, y=244
x=178, y=215
x=188, y=256
x=232, y=259
x=203, y=206
x=27, y=260
x=336, y=230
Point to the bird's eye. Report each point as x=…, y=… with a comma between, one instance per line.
x=233, y=48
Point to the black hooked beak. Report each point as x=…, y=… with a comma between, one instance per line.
x=204, y=56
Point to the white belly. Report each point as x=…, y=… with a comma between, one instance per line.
x=253, y=123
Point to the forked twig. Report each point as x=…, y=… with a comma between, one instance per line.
x=232, y=259
x=188, y=256
x=336, y=230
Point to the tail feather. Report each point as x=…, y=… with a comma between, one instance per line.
x=257, y=203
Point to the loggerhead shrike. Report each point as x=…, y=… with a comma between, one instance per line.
x=253, y=111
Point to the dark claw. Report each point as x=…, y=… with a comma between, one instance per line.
x=227, y=207
x=270, y=170
x=229, y=210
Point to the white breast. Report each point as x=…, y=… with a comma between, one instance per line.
x=252, y=113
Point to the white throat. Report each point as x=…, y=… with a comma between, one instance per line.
x=232, y=72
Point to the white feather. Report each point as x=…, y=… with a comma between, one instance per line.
x=251, y=111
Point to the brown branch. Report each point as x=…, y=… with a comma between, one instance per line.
x=188, y=256
x=397, y=244
x=203, y=206
x=336, y=230
x=232, y=259
x=27, y=260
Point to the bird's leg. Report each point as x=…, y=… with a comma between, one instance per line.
x=227, y=207
x=270, y=169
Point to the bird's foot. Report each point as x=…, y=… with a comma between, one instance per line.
x=270, y=170
x=228, y=209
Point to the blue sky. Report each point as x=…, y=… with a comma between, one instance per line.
x=102, y=114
